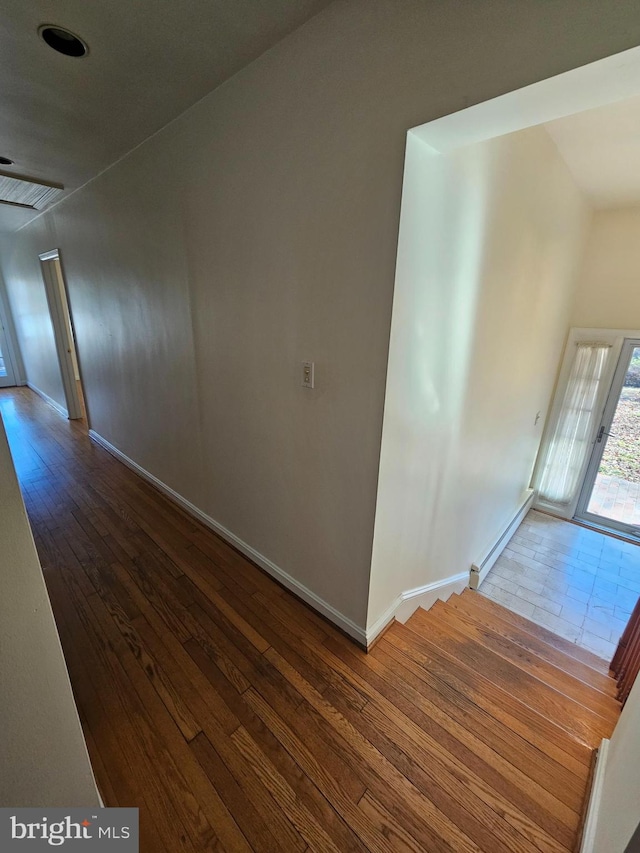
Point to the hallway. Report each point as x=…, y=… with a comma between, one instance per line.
x=239, y=720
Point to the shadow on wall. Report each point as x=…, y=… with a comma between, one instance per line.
x=491, y=239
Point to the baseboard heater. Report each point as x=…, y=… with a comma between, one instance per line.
x=480, y=569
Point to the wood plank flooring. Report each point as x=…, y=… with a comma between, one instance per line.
x=237, y=719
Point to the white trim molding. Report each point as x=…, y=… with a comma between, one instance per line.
x=59, y=409
x=62, y=324
x=481, y=568
x=591, y=819
x=407, y=602
x=401, y=609
x=333, y=615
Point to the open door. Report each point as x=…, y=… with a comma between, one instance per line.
x=62, y=323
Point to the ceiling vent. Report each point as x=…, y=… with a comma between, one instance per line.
x=28, y=192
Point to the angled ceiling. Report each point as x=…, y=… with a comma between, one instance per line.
x=602, y=150
x=65, y=120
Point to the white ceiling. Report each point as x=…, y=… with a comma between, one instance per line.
x=602, y=150
x=66, y=119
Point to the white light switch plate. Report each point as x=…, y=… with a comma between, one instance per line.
x=308, y=374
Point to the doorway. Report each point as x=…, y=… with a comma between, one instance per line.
x=583, y=579
x=64, y=334
x=7, y=372
x=610, y=496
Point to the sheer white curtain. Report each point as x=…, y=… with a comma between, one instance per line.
x=569, y=444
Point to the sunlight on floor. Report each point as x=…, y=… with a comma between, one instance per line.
x=579, y=583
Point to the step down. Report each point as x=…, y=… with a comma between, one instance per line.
x=582, y=694
x=520, y=708
x=539, y=631
x=581, y=722
x=472, y=605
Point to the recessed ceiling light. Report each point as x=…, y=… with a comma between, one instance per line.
x=4, y=161
x=63, y=41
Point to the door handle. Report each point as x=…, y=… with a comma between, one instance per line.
x=602, y=432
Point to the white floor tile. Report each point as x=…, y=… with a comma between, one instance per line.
x=518, y=605
x=557, y=624
x=540, y=601
x=630, y=572
x=531, y=584
x=579, y=583
x=622, y=613
x=626, y=599
x=527, y=539
x=597, y=645
x=558, y=585
x=505, y=584
x=574, y=617
x=520, y=549
x=604, y=589
x=599, y=629
x=577, y=594
x=627, y=583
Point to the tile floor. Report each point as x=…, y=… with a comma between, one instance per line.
x=579, y=583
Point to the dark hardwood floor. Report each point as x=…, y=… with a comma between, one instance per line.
x=237, y=719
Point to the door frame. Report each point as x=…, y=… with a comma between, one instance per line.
x=10, y=379
x=597, y=451
x=8, y=341
x=615, y=338
x=57, y=313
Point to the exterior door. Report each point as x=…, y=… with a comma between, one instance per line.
x=610, y=496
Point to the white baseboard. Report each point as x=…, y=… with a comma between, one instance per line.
x=59, y=409
x=422, y=596
x=591, y=820
x=347, y=625
x=481, y=568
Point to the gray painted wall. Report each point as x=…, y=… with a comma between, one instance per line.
x=259, y=229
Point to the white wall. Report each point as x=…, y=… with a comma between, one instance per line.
x=32, y=323
x=260, y=229
x=43, y=757
x=490, y=241
x=11, y=337
x=619, y=811
x=609, y=290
